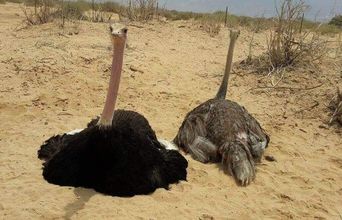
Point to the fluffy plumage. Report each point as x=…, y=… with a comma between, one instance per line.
x=125, y=159
x=222, y=130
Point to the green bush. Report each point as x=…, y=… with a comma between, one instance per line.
x=337, y=21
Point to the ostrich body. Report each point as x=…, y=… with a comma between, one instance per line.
x=117, y=154
x=221, y=130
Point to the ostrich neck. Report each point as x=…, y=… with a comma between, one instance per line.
x=221, y=94
x=114, y=82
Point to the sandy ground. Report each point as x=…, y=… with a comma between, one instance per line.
x=51, y=82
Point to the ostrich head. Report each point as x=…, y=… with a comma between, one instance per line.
x=118, y=34
x=234, y=34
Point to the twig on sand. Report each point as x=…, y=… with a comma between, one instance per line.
x=286, y=87
x=65, y=114
x=309, y=108
x=275, y=71
x=337, y=112
x=335, y=105
x=137, y=26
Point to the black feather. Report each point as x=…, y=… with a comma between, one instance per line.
x=125, y=159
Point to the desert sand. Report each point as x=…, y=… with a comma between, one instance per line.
x=54, y=80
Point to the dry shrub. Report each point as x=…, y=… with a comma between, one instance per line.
x=255, y=24
x=288, y=43
x=210, y=25
x=15, y=1
x=43, y=12
x=141, y=10
x=101, y=16
x=102, y=11
x=94, y=11
x=73, y=10
x=335, y=106
x=97, y=15
x=174, y=15
x=339, y=47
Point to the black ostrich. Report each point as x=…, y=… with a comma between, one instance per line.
x=117, y=154
x=222, y=130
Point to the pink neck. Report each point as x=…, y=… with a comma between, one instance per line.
x=112, y=94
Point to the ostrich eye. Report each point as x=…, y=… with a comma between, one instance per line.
x=125, y=30
x=111, y=28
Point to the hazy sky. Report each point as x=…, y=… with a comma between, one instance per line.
x=320, y=9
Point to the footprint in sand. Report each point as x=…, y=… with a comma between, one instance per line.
x=182, y=187
x=337, y=162
x=170, y=197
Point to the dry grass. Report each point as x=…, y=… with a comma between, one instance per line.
x=289, y=43
x=15, y=1
x=210, y=25
x=141, y=10
x=174, y=15
x=43, y=12
x=97, y=15
x=338, y=51
x=100, y=11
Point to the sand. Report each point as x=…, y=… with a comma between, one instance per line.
x=54, y=80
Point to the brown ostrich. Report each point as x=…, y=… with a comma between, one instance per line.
x=221, y=130
x=117, y=154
